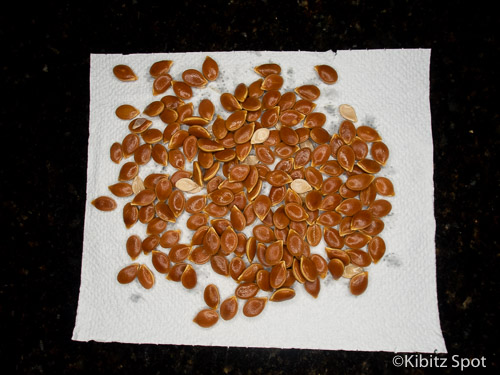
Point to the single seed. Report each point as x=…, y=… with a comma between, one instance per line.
x=189, y=278
x=126, y=112
x=124, y=73
x=134, y=246
x=104, y=203
x=254, y=306
x=206, y=318
x=162, y=84
x=138, y=185
x=160, y=261
x=260, y=136
x=194, y=78
x=348, y=112
x=300, y=186
x=128, y=274
x=210, y=69
x=229, y=308
x=359, y=283
x=327, y=74
x=308, y=92
x=145, y=277
x=121, y=189
x=160, y=67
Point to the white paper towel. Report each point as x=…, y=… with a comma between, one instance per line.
x=398, y=312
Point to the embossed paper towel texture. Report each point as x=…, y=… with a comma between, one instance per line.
x=398, y=312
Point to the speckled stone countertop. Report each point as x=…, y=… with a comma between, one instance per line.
x=45, y=81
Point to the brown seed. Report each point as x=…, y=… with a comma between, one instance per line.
x=139, y=125
x=229, y=308
x=171, y=101
x=208, y=145
x=266, y=69
x=321, y=265
x=263, y=233
x=143, y=154
x=241, y=92
x=176, y=272
x=304, y=106
x=360, y=181
x=160, y=262
x=274, y=253
x=124, y=73
x=359, y=283
x=229, y=102
x=361, y=220
x=356, y=240
x=359, y=257
x=246, y=290
x=126, y=112
x=160, y=67
x=196, y=204
x=144, y=198
x=313, y=200
x=261, y=206
x=189, y=278
x=270, y=117
x=194, y=78
x=333, y=238
x=314, y=177
x=128, y=171
x=162, y=84
x=206, y=109
x=308, y=92
x=176, y=159
x=177, y=202
x=278, y=178
x=199, y=255
x=282, y=294
x=331, y=185
x=369, y=166
x=199, y=132
x=338, y=254
x=272, y=82
x=210, y=69
x=182, y=90
x=277, y=276
x=206, y=318
x=330, y=202
x=228, y=241
x=254, y=306
x=236, y=120
x=104, y=203
x=184, y=111
x=376, y=248
x=313, y=287
x=320, y=155
x=169, y=116
x=289, y=136
x=295, y=212
x=295, y=243
x=264, y=154
x=236, y=267
x=179, y=253
x=329, y=218
x=156, y=226
x=145, y=277
x=147, y=213
x=349, y=207
x=199, y=235
x=152, y=136
x=170, y=129
x=194, y=120
x=368, y=134
x=291, y=117
x=130, y=215
x=239, y=173
x=314, y=120
x=121, y=189
x=346, y=157
x=128, y=274
x=134, y=246
x=327, y=74
x=314, y=235
x=336, y=268
x=384, y=186
x=360, y=148
x=211, y=296
x=347, y=132
x=271, y=99
x=380, y=208
x=196, y=220
x=163, y=187
x=376, y=227
x=116, y=153
x=308, y=269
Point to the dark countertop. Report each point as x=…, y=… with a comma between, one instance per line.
x=45, y=74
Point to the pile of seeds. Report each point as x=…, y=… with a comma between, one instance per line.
x=323, y=186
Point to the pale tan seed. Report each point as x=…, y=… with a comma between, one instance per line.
x=138, y=185
x=351, y=270
x=300, y=186
x=251, y=160
x=348, y=112
x=307, y=144
x=260, y=136
x=186, y=184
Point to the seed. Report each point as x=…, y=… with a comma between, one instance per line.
x=152, y=136
x=184, y=111
x=163, y=188
x=176, y=272
x=360, y=148
x=266, y=69
x=349, y=207
x=139, y=125
x=314, y=235
x=272, y=82
x=348, y=112
x=241, y=92
x=351, y=270
x=179, y=253
x=313, y=287
x=156, y=226
x=162, y=83
x=104, y=203
x=246, y=290
x=130, y=215
x=194, y=120
x=143, y=154
x=308, y=268
x=262, y=206
x=308, y=92
x=338, y=254
x=361, y=220
x=291, y=117
x=147, y=213
x=320, y=155
x=239, y=173
x=254, y=306
x=274, y=253
x=229, y=308
x=277, y=276
x=264, y=154
x=346, y=157
x=182, y=90
x=278, y=178
x=160, y=68
x=206, y=318
x=263, y=233
x=380, y=152
x=368, y=134
x=145, y=277
x=171, y=101
x=196, y=220
x=359, y=283
x=206, y=109
x=199, y=255
x=270, y=117
x=314, y=177
x=327, y=74
x=314, y=120
x=229, y=102
x=126, y=112
x=116, y=153
x=130, y=144
x=128, y=274
x=347, y=132
x=336, y=268
x=300, y=186
x=121, y=189
x=189, y=278
x=137, y=185
x=304, y=106
x=380, y=208
x=384, y=186
x=211, y=296
x=134, y=246
x=271, y=99
x=359, y=182
x=194, y=78
x=160, y=262
x=376, y=248
x=210, y=69
x=124, y=73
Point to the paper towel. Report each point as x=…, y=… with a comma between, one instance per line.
x=398, y=312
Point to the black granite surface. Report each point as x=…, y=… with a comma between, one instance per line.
x=44, y=123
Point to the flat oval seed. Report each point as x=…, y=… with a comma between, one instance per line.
x=229, y=102
x=270, y=117
x=263, y=233
x=139, y=125
x=182, y=90
x=384, y=186
x=314, y=235
x=359, y=257
x=272, y=82
x=246, y=290
x=176, y=271
x=348, y=112
x=210, y=69
x=336, y=268
x=359, y=182
x=254, y=306
x=266, y=69
x=359, y=283
x=376, y=248
x=320, y=155
x=128, y=274
x=327, y=74
x=295, y=212
x=128, y=171
x=160, y=67
x=277, y=276
x=313, y=287
x=104, y=203
x=229, y=308
x=130, y=215
x=314, y=120
x=116, y=152
x=134, y=246
x=264, y=154
x=282, y=294
x=380, y=208
x=347, y=132
x=206, y=109
x=160, y=154
x=124, y=73
x=194, y=78
x=346, y=157
x=189, y=278
x=161, y=84
x=368, y=134
x=145, y=277
x=349, y=207
x=278, y=178
x=126, y=112
x=206, y=318
x=161, y=262
x=308, y=92
x=308, y=269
